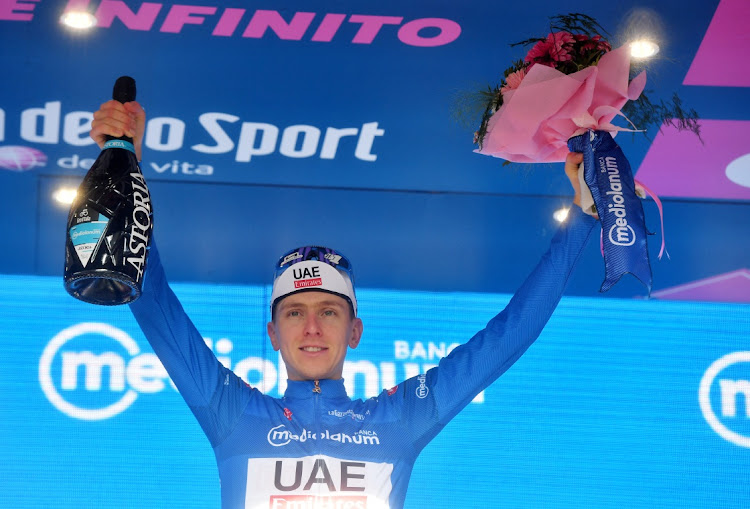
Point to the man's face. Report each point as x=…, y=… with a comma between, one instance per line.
x=313, y=331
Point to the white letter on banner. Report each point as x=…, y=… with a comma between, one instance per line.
x=310, y=138
x=92, y=369
x=78, y=123
x=387, y=375
x=246, y=146
x=50, y=116
x=265, y=368
x=174, y=138
x=210, y=123
x=729, y=391
x=401, y=349
x=145, y=373
x=368, y=370
x=331, y=140
x=366, y=138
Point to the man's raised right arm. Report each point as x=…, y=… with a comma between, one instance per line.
x=215, y=395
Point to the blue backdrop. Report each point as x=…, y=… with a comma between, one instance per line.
x=603, y=411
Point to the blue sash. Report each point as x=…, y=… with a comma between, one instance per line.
x=610, y=180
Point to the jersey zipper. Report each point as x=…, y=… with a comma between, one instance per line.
x=316, y=413
x=318, y=430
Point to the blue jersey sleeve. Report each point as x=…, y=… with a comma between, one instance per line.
x=430, y=401
x=215, y=395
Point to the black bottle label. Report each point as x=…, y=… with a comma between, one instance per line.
x=86, y=232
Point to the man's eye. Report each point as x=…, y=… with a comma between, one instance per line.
x=329, y=312
x=293, y=313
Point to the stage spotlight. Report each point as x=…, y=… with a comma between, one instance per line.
x=643, y=48
x=561, y=215
x=644, y=32
x=78, y=20
x=64, y=195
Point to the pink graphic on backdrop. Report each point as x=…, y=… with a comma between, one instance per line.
x=721, y=60
x=730, y=287
x=678, y=164
x=16, y=158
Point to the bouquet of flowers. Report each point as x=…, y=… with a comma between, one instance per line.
x=562, y=97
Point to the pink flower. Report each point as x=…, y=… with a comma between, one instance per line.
x=561, y=43
x=602, y=44
x=539, y=54
x=592, y=43
x=513, y=80
x=556, y=48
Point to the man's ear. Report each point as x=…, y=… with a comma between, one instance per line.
x=357, y=328
x=271, y=329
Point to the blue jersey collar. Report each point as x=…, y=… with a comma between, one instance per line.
x=329, y=389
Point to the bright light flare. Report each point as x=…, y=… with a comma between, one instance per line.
x=65, y=195
x=78, y=20
x=561, y=215
x=643, y=48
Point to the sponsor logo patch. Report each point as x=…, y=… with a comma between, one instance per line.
x=317, y=482
x=279, y=436
x=288, y=258
x=621, y=233
x=348, y=413
x=422, y=390
x=313, y=502
x=333, y=258
x=306, y=283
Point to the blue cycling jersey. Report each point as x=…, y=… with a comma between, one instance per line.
x=315, y=448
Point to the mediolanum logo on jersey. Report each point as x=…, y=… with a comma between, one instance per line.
x=279, y=436
x=94, y=371
x=724, y=397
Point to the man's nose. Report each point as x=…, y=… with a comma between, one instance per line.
x=312, y=325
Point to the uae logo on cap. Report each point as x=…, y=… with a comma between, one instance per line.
x=307, y=277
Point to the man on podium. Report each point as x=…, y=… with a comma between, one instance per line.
x=315, y=447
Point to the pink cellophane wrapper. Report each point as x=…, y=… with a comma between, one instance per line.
x=536, y=120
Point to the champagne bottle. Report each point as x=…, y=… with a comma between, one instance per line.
x=110, y=223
